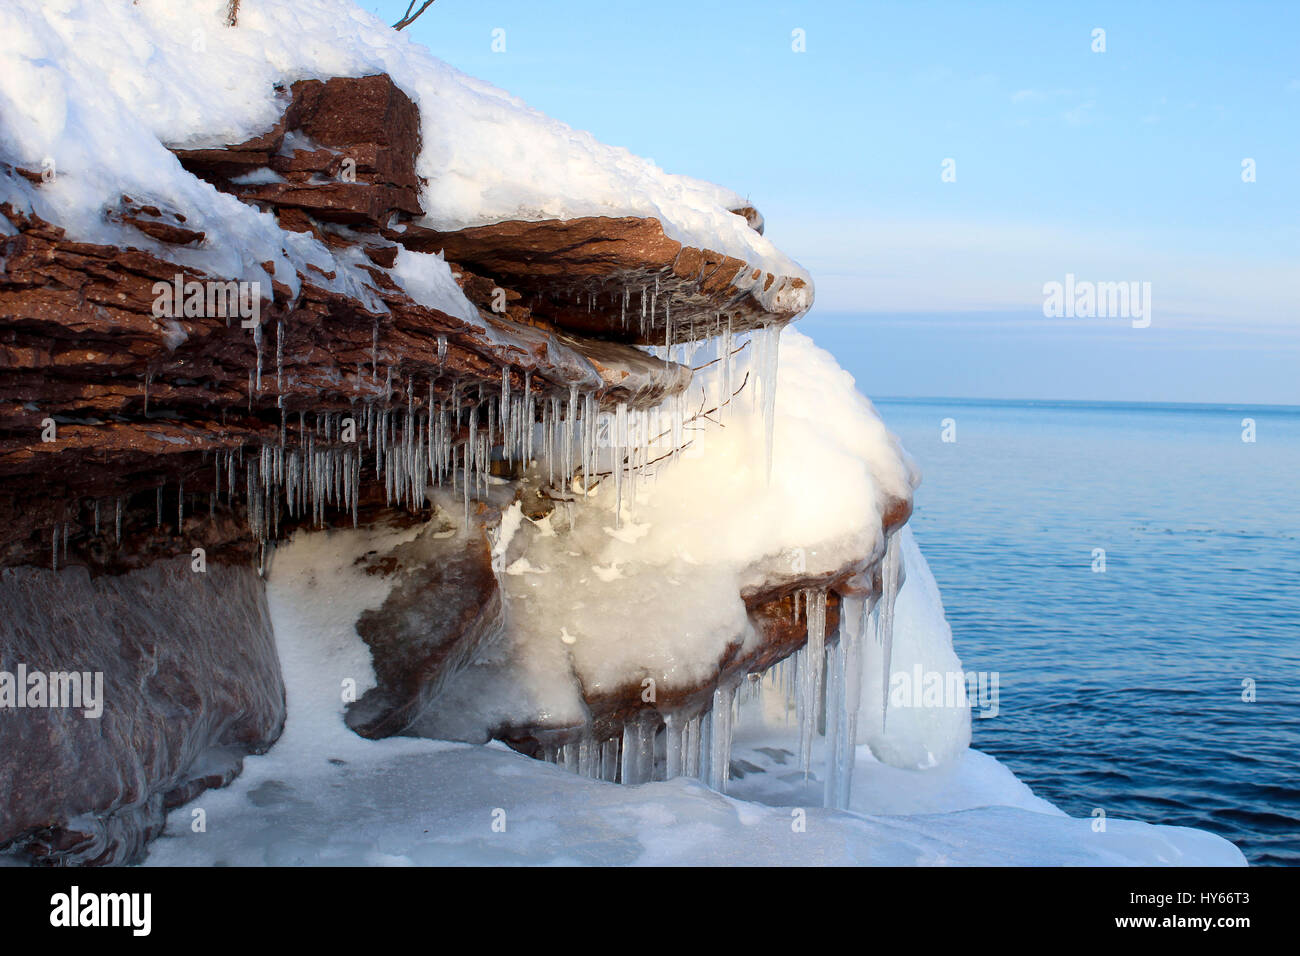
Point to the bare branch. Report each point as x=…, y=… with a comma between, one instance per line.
x=737, y=351
x=408, y=17
x=232, y=13
x=706, y=415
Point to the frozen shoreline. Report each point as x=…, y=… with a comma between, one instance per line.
x=429, y=803
x=324, y=796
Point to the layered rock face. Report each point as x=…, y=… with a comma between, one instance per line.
x=149, y=408
x=146, y=401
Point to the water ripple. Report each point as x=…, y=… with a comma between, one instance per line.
x=1126, y=688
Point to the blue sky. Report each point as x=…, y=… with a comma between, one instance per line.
x=1123, y=165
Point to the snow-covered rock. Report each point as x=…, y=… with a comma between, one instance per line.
x=510, y=423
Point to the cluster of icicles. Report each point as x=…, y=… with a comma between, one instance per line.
x=821, y=684
x=720, y=332
x=452, y=442
x=648, y=307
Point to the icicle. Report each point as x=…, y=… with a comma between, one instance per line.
x=570, y=423
x=96, y=517
x=118, y=523
x=891, y=579
x=654, y=299
x=506, y=411
x=675, y=746
x=471, y=444
x=725, y=349
x=691, y=746
x=853, y=626
x=638, y=748
x=529, y=420
x=720, y=737
x=812, y=662
x=589, y=436
x=678, y=424
x=609, y=760
x=442, y=351
x=588, y=758
x=617, y=442
x=257, y=340
x=767, y=378
x=833, y=709
x=705, y=762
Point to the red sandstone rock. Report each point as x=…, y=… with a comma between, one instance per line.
x=574, y=273
x=444, y=608
x=190, y=684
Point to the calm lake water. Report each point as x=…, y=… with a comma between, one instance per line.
x=1123, y=689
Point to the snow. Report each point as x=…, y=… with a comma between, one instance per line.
x=324, y=796
x=439, y=806
x=427, y=278
x=101, y=88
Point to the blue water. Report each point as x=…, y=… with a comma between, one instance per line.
x=1122, y=690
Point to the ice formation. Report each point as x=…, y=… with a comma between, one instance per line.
x=664, y=515
x=667, y=516
x=431, y=802
x=818, y=691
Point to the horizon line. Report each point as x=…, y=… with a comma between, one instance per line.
x=1118, y=403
